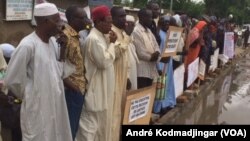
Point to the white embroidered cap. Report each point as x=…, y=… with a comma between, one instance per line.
x=7, y=49
x=178, y=20
x=130, y=18
x=45, y=9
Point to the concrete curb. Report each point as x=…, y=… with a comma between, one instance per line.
x=189, y=97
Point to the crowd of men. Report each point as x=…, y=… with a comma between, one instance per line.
x=73, y=77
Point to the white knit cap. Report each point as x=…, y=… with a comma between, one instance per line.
x=7, y=49
x=130, y=18
x=178, y=20
x=45, y=9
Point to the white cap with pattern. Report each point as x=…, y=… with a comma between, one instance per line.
x=45, y=9
x=7, y=49
x=130, y=18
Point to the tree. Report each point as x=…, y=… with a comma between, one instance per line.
x=117, y=2
x=222, y=8
x=240, y=9
x=185, y=6
x=139, y=3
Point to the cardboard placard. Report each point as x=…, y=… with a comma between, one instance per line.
x=172, y=41
x=138, y=106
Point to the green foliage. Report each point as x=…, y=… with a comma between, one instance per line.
x=117, y=2
x=240, y=9
x=140, y=3
x=186, y=6
x=195, y=10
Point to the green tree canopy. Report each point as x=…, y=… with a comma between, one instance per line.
x=240, y=9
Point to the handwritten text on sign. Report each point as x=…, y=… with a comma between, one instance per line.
x=19, y=9
x=139, y=108
x=172, y=41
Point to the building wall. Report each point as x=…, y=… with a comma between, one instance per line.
x=13, y=31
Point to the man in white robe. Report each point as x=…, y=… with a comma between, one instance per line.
x=35, y=76
x=121, y=68
x=133, y=58
x=96, y=118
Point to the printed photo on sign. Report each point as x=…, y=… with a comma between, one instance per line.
x=172, y=41
x=19, y=10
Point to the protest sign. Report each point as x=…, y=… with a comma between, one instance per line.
x=179, y=80
x=193, y=69
x=229, y=44
x=138, y=106
x=172, y=41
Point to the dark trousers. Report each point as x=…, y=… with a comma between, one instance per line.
x=74, y=104
x=143, y=82
x=16, y=134
x=176, y=64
